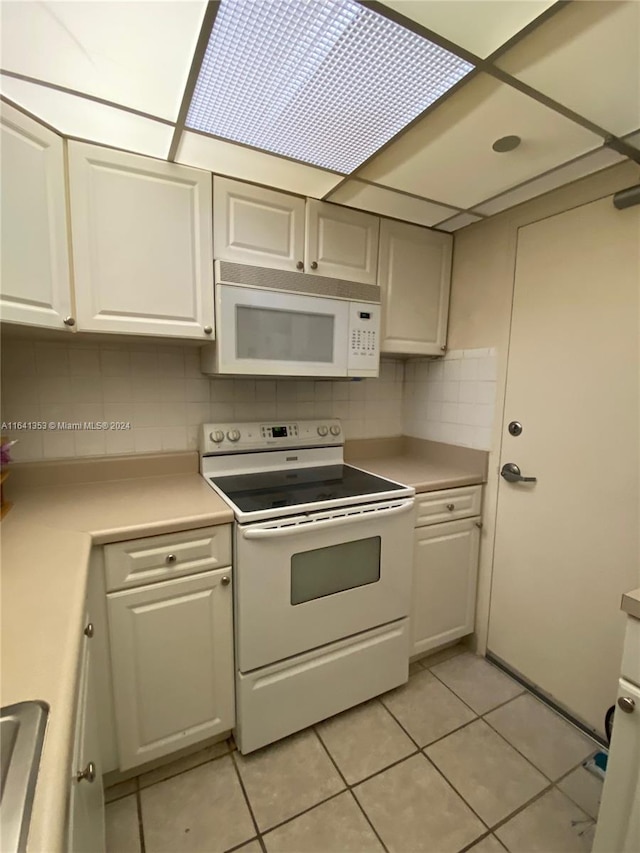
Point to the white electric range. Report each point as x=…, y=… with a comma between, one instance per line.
x=322, y=564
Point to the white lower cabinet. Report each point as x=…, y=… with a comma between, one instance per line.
x=445, y=571
x=172, y=664
x=86, y=801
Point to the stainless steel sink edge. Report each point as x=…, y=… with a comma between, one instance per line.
x=22, y=732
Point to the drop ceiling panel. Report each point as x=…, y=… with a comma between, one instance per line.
x=136, y=53
x=236, y=161
x=73, y=115
x=593, y=162
x=448, y=155
x=587, y=57
x=459, y=221
x=480, y=26
x=386, y=202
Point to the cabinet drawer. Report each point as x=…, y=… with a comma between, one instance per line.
x=447, y=505
x=156, y=558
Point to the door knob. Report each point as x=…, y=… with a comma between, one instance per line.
x=511, y=473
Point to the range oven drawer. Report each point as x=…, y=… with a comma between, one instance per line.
x=278, y=700
x=139, y=562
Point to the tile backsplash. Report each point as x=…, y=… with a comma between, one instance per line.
x=161, y=393
x=452, y=399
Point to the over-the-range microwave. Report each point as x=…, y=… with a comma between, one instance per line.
x=278, y=323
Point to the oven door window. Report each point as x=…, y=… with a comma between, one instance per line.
x=336, y=568
x=271, y=334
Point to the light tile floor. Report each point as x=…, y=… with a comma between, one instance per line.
x=460, y=758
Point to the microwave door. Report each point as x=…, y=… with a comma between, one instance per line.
x=264, y=332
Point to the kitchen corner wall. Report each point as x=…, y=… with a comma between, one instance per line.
x=161, y=393
x=452, y=399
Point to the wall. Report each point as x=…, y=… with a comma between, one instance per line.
x=161, y=393
x=480, y=316
x=452, y=399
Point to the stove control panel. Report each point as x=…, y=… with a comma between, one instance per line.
x=261, y=435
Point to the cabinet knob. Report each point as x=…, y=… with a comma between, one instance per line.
x=299, y=265
x=69, y=321
x=451, y=507
x=208, y=330
x=314, y=265
x=170, y=558
x=88, y=774
x=225, y=581
x=626, y=704
x=88, y=631
x=479, y=525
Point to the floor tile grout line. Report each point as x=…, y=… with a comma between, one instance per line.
x=529, y=760
x=242, y=844
x=305, y=811
x=349, y=789
x=453, y=788
x=180, y=772
x=140, y=820
x=368, y=820
x=435, y=675
x=248, y=801
x=516, y=812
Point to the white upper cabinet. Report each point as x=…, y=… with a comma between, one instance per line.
x=414, y=276
x=341, y=243
x=142, y=249
x=253, y=225
x=35, y=252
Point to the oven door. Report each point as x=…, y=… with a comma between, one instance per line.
x=308, y=580
x=268, y=332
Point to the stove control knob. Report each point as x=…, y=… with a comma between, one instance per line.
x=233, y=434
x=322, y=430
x=335, y=429
x=217, y=436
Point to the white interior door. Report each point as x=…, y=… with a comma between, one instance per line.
x=567, y=546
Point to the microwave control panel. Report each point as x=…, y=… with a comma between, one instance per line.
x=364, y=339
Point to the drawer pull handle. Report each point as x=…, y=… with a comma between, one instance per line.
x=225, y=581
x=89, y=631
x=451, y=507
x=89, y=773
x=170, y=559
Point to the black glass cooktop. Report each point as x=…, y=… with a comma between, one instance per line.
x=274, y=489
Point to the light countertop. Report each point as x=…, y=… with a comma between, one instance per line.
x=423, y=475
x=46, y=541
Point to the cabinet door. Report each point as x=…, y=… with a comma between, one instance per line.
x=341, y=243
x=172, y=662
x=35, y=281
x=415, y=276
x=445, y=569
x=86, y=802
x=142, y=249
x=253, y=225
x=618, y=826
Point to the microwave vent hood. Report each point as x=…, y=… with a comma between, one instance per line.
x=295, y=282
x=280, y=323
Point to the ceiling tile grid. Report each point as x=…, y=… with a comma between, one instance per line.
x=448, y=155
x=582, y=57
x=136, y=54
x=386, y=202
x=82, y=118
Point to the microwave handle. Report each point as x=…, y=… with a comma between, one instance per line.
x=324, y=523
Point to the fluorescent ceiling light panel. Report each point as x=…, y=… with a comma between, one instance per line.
x=327, y=82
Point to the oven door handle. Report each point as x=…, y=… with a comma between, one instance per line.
x=325, y=523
